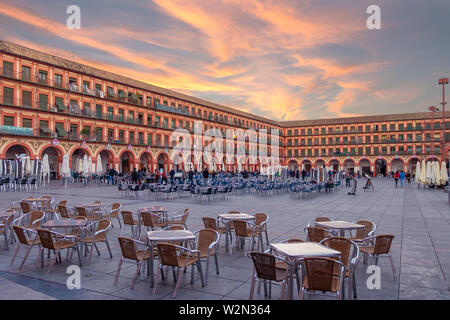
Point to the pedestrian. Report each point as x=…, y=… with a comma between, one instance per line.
x=408, y=176
x=396, y=175
x=402, y=178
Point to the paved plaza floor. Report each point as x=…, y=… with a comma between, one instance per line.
x=419, y=220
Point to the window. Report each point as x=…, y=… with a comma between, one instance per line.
x=8, y=69
x=131, y=137
x=58, y=80
x=158, y=139
x=43, y=101
x=42, y=77
x=26, y=73
x=121, y=136
x=149, y=139
x=60, y=131
x=99, y=134
x=27, y=123
x=8, y=121
x=8, y=96
x=26, y=98
x=149, y=101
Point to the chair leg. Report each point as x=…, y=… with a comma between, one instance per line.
x=180, y=278
x=39, y=255
x=118, y=270
x=252, y=287
x=15, y=254
x=199, y=267
x=136, y=274
x=158, y=271
x=25, y=258
x=55, y=256
x=109, y=249
x=207, y=268
x=283, y=289
x=392, y=265
x=217, y=263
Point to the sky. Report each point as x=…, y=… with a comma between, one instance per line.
x=280, y=59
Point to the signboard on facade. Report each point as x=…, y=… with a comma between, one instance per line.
x=16, y=130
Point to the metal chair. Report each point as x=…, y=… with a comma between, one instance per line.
x=381, y=248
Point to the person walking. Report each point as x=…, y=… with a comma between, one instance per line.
x=134, y=176
x=402, y=178
x=396, y=175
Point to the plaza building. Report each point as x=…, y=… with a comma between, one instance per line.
x=54, y=106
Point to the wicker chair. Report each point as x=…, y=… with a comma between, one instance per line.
x=152, y=220
x=25, y=240
x=129, y=220
x=349, y=257
x=56, y=242
x=266, y=268
x=34, y=220
x=261, y=220
x=179, y=258
x=64, y=212
x=131, y=251
x=180, y=218
x=25, y=207
x=4, y=232
x=91, y=215
x=318, y=276
x=99, y=235
x=312, y=222
x=244, y=230
x=112, y=212
x=361, y=234
x=207, y=244
x=381, y=248
x=314, y=234
x=214, y=224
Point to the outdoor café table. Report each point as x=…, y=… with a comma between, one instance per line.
x=301, y=250
x=340, y=226
x=155, y=209
x=164, y=236
x=68, y=223
x=229, y=217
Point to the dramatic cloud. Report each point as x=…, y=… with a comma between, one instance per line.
x=281, y=59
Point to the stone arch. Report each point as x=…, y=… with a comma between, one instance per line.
x=16, y=147
x=126, y=161
x=55, y=157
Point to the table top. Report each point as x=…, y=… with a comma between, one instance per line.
x=89, y=205
x=65, y=223
x=34, y=199
x=236, y=216
x=304, y=249
x=342, y=225
x=153, y=209
x=170, y=235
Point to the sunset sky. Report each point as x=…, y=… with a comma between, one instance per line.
x=285, y=60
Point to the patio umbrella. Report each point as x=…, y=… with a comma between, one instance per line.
x=46, y=168
x=79, y=165
x=65, y=169
x=90, y=166
x=429, y=173
x=444, y=174
x=99, y=168
x=423, y=174
x=1, y=168
x=27, y=167
x=417, y=175
x=85, y=166
x=437, y=173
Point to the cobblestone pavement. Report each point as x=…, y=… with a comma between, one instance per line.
x=419, y=220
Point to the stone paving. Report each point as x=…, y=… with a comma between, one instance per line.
x=419, y=220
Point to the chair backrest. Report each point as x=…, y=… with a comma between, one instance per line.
x=240, y=227
x=103, y=224
x=64, y=212
x=25, y=206
x=315, y=234
x=62, y=203
x=46, y=239
x=127, y=217
x=21, y=235
x=320, y=273
x=128, y=247
x=82, y=212
x=185, y=215
x=168, y=254
x=343, y=245
x=151, y=219
x=265, y=265
x=318, y=219
x=210, y=223
x=36, y=218
x=383, y=243
x=260, y=218
x=115, y=207
x=205, y=238
x=234, y=212
x=293, y=240
x=366, y=232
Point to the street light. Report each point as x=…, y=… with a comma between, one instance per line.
x=432, y=109
x=443, y=82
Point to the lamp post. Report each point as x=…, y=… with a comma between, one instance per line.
x=432, y=109
x=443, y=82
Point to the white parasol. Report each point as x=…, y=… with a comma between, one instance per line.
x=444, y=174
x=437, y=173
x=46, y=168
x=417, y=175
x=85, y=167
x=429, y=173
x=99, y=168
